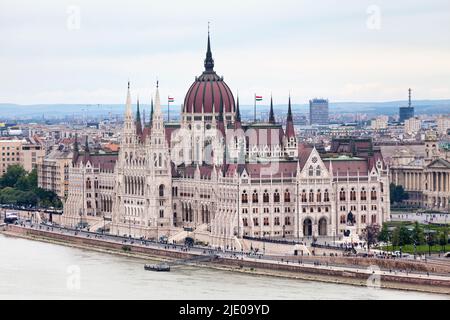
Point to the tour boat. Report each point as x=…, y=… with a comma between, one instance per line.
x=157, y=267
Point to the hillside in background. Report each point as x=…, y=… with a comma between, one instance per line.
x=52, y=111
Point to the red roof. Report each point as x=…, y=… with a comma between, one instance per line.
x=208, y=93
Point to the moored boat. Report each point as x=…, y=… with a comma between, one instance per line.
x=157, y=267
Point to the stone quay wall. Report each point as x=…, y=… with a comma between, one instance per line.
x=236, y=263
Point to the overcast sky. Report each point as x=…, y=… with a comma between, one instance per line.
x=346, y=50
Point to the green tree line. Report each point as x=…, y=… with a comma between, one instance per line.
x=19, y=187
x=402, y=236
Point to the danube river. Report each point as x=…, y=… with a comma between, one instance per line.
x=37, y=270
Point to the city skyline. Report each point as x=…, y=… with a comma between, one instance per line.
x=86, y=53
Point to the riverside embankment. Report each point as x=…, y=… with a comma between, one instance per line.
x=346, y=274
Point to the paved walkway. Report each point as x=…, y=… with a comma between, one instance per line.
x=247, y=256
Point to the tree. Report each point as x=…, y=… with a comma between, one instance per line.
x=417, y=235
x=383, y=236
x=405, y=236
x=12, y=175
x=401, y=236
x=371, y=234
x=397, y=193
x=443, y=238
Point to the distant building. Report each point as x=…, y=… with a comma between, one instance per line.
x=406, y=113
x=426, y=179
x=413, y=125
x=443, y=124
x=380, y=122
x=53, y=172
x=25, y=152
x=318, y=112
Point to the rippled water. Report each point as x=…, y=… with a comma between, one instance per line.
x=37, y=270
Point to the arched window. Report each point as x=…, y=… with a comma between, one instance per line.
x=342, y=195
x=287, y=196
x=304, y=196
x=326, y=196
x=318, y=171
x=363, y=218
x=352, y=194
x=322, y=227
x=342, y=219
x=88, y=183
x=311, y=171
x=276, y=196
x=244, y=197
x=373, y=194
x=363, y=194
x=307, y=228
x=319, y=196
x=374, y=219
x=255, y=197
x=311, y=195
x=161, y=190
x=265, y=196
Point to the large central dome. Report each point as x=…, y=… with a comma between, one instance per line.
x=209, y=94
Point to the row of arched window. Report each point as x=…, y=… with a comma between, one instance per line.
x=266, y=221
x=317, y=196
x=265, y=196
x=353, y=194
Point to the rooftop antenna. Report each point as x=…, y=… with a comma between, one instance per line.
x=409, y=103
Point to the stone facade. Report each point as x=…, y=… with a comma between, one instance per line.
x=217, y=179
x=426, y=179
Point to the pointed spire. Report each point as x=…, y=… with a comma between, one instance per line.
x=86, y=150
x=271, y=114
x=157, y=100
x=289, y=116
x=237, y=121
x=151, y=113
x=138, y=120
x=128, y=110
x=238, y=112
x=290, y=132
x=76, y=150
x=86, y=145
x=209, y=61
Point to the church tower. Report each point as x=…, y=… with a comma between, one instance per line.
x=160, y=179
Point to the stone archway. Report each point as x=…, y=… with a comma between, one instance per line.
x=307, y=227
x=323, y=227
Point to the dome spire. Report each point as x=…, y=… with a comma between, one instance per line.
x=209, y=61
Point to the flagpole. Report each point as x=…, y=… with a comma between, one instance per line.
x=255, y=109
x=168, y=109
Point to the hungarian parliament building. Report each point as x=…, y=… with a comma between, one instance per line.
x=221, y=179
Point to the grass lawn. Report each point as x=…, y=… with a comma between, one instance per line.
x=409, y=248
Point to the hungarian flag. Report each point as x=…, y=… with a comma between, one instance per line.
x=258, y=98
x=171, y=99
